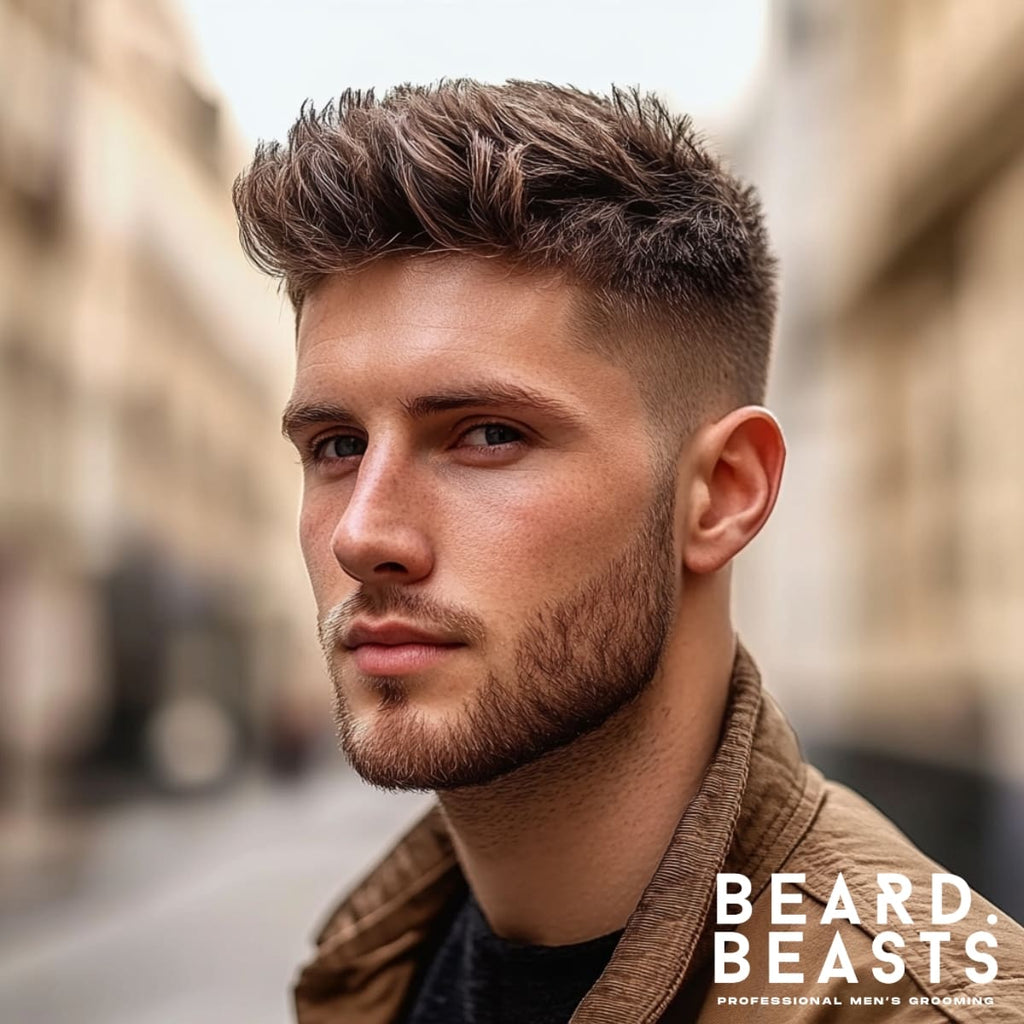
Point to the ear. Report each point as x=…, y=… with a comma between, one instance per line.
x=735, y=471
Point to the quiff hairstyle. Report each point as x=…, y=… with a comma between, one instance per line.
x=615, y=195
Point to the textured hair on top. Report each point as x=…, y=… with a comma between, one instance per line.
x=615, y=195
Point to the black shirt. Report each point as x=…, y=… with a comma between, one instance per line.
x=478, y=978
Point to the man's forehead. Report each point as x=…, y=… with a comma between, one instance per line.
x=433, y=295
x=412, y=334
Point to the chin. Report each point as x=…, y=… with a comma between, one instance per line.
x=397, y=747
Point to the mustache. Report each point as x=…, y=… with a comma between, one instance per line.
x=416, y=609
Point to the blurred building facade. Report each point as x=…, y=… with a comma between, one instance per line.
x=891, y=143
x=153, y=609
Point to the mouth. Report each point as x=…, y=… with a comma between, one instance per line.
x=396, y=648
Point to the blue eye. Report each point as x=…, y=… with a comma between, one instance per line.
x=341, y=446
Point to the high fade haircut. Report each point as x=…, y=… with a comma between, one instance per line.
x=614, y=195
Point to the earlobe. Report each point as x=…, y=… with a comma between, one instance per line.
x=738, y=465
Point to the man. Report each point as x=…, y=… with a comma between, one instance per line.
x=533, y=332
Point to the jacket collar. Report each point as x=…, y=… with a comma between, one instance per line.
x=756, y=799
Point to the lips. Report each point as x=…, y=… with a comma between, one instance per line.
x=395, y=648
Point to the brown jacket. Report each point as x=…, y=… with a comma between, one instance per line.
x=760, y=809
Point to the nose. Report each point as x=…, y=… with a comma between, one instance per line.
x=381, y=536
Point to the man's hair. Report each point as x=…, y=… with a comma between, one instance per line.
x=614, y=195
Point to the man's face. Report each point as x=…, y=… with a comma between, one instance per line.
x=486, y=527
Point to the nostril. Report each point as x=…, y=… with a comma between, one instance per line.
x=390, y=567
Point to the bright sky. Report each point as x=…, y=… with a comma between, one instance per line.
x=268, y=55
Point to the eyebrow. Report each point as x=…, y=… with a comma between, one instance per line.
x=299, y=414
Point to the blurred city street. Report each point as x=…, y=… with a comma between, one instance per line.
x=196, y=911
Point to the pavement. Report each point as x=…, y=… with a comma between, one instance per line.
x=195, y=912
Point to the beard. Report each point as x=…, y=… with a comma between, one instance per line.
x=578, y=661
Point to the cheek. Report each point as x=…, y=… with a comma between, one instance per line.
x=543, y=539
x=316, y=528
x=310, y=533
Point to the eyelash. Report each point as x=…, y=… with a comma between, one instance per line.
x=314, y=453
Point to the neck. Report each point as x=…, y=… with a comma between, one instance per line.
x=560, y=850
